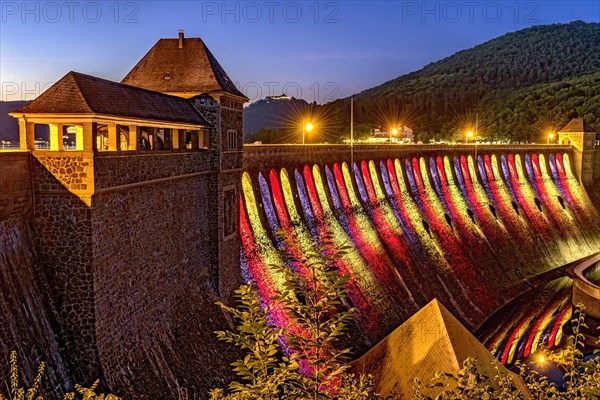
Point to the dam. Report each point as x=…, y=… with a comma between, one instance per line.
x=421, y=222
x=114, y=252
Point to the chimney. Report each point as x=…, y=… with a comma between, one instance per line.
x=181, y=38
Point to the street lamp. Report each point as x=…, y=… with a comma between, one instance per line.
x=393, y=131
x=550, y=137
x=469, y=134
x=306, y=127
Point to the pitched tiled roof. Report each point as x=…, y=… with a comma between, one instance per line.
x=190, y=69
x=577, y=125
x=77, y=93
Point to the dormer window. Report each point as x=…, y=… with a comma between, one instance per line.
x=168, y=75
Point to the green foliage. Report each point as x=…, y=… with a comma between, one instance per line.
x=16, y=392
x=530, y=113
x=518, y=83
x=313, y=298
x=264, y=371
x=469, y=383
x=581, y=379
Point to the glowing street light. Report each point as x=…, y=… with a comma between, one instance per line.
x=306, y=127
x=541, y=359
x=550, y=137
x=469, y=134
x=393, y=131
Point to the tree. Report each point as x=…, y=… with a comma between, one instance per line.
x=265, y=372
x=314, y=298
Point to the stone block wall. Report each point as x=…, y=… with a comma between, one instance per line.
x=228, y=204
x=62, y=185
x=15, y=183
x=65, y=171
x=26, y=320
x=133, y=253
x=155, y=277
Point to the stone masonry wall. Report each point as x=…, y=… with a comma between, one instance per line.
x=62, y=185
x=15, y=183
x=121, y=168
x=155, y=275
x=26, y=323
x=229, y=164
x=229, y=182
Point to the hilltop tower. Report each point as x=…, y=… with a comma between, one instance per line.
x=135, y=212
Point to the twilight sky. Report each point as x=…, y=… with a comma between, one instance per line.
x=317, y=50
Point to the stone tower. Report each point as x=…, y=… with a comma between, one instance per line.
x=185, y=67
x=135, y=208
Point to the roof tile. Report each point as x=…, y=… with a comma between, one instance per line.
x=77, y=93
x=192, y=69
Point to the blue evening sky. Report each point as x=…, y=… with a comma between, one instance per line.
x=318, y=50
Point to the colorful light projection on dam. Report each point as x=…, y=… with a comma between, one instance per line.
x=470, y=232
x=533, y=321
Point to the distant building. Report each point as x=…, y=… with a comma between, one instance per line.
x=396, y=135
x=578, y=133
x=282, y=97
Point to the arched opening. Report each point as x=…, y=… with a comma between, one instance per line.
x=123, y=138
x=145, y=140
x=515, y=207
x=493, y=210
x=538, y=203
x=159, y=143
x=471, y=215
x=102, y=138
x=566, y=140
x=448, y=221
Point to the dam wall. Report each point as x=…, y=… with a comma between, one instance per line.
x=111, y=267
x=27, y=323
x=112, y=261
x=422, y=222
x=155, y=273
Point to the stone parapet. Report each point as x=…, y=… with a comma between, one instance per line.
x=117, y=169
x=260, y=158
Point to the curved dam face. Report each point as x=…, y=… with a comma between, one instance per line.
x=471, y=230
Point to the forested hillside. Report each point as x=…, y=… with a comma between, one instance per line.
x=518, y=83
